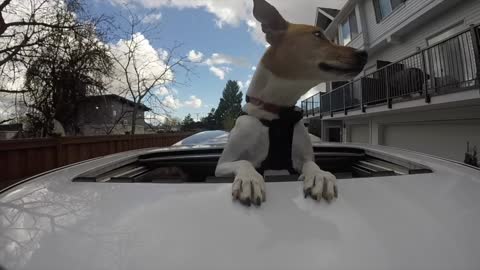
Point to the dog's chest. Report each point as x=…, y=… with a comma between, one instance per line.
x=280, y=147
x=280, y=136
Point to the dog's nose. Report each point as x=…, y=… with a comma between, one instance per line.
x=362, y=56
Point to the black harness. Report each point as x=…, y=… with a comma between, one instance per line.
x=280, y=134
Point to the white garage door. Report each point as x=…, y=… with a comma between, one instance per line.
x=443, y=139
x=359, y=134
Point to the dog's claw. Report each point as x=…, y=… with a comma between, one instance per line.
x=307, y=192
x=319, y=185
x=249, y=188
x=246, y=202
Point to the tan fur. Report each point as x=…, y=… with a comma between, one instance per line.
x=296, y=53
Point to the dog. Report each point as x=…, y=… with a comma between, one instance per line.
x=272, y=135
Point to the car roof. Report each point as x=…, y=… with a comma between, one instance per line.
x=403, y=222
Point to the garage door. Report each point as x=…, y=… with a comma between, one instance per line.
x=443, y=139
x=359, y=134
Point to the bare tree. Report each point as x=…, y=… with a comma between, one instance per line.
x=24, y=27
x=6, y=121
x=141, y=73
x=70, y=66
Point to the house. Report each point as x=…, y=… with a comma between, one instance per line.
x=10, y=131
x=109, y=115
x=421, y=87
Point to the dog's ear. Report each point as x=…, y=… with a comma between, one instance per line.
x=273, y=24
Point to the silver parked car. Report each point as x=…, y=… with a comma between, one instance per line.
x=164, y=209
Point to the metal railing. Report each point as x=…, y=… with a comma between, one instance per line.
x=450, y=65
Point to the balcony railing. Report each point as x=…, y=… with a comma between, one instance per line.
x=451, y=65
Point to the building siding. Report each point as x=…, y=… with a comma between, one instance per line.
x=410, y=10
x=467, y=13
x=96, y=117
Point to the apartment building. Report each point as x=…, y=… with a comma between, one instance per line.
x=420, y=89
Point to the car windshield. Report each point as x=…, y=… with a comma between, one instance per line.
x=206, y=137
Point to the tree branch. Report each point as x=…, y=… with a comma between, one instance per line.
x=6, y=121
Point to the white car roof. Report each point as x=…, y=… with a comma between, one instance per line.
x=424, y=221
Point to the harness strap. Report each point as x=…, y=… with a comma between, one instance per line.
x=280, y=133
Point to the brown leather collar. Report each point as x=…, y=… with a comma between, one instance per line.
x=269, y=107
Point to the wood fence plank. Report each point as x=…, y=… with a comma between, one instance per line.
x=24, y=158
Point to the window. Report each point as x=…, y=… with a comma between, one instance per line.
x=348, y=29
x=335, y=38
x=346, y=36
x=383, y=8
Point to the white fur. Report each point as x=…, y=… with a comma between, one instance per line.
x=246, y=149
x=276, y=90
x=248, y=143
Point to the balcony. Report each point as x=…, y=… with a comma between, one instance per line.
x=449, y=66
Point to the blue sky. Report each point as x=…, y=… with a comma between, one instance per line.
x=218, y=29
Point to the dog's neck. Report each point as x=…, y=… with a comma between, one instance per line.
x=273, y=90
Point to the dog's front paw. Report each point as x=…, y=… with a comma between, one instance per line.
x=249, y=188
x=318, y=185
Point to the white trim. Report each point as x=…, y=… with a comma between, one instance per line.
x=325, y=14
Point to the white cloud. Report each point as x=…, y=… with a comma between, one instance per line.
x=12, y=75
x=251, y=23
x=195, y=56
x=219, y=72
x=7, y=106
x=163, y=54
x=193, y=102
x=254, y=68
x=219, y=64
x=155, y=119
x=151, y=18
x=223, y=59
x=241, y=84
x=162, y=91
x=150, y=63
x=247, y=83
x=234, y=12
x=244, y=85
x=172, y=102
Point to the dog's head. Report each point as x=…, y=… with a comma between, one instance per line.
x=303, y=52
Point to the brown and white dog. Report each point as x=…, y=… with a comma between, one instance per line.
x=299, y=58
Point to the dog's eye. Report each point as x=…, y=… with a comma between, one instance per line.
x=318, y=34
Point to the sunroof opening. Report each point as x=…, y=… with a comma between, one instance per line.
x=198, y=166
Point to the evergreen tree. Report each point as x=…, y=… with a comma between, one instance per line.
x=188, y=123
x=230, y=106
x=209, y=122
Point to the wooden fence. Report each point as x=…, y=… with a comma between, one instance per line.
x=28, y=157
